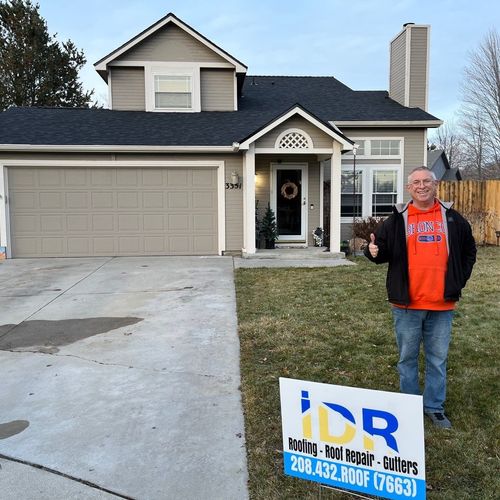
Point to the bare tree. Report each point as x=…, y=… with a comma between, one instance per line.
x=474, y=132
x=449, y=138
x=480, y=114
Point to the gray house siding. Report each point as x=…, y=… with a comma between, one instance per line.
x=408, y=67
x=127, y=89
x=171, y=44
x=217, y=89
x=397, y=69
x=418, y=68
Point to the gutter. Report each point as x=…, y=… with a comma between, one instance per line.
x=392, y=124
x=41, y=148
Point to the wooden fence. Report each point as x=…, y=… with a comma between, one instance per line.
x=478, y=202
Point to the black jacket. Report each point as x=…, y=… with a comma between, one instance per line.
x=390, y=237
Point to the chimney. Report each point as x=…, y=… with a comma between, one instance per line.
x=409, y=66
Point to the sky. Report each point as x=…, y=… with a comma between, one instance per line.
x=345, y=39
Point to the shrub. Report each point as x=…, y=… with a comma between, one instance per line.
x=364, y=227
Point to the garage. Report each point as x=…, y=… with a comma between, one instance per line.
x=68, y=211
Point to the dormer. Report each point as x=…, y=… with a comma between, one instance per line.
x=170, y=67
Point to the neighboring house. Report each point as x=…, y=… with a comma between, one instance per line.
x=191, y=144
x=437, y=161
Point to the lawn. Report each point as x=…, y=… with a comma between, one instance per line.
x=333, y=325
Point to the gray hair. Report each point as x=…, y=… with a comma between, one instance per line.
x=422, y=168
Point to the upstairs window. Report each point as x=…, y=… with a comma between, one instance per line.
x=173, y=92
x=385, y=147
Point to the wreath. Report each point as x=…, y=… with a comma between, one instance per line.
x=289, y=190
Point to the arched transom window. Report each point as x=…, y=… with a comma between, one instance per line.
x=294, y=139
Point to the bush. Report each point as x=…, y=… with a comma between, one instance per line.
x=364, y=227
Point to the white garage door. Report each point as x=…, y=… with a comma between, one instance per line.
x=70, y=212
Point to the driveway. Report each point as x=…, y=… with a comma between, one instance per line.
x=119, y=377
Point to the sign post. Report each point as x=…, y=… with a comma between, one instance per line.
x=355, y=439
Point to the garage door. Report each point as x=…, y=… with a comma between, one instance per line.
x=70, y=212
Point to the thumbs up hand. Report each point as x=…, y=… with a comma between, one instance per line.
x=372, y=247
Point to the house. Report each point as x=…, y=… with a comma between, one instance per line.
x=191, y=144
x=437, y=161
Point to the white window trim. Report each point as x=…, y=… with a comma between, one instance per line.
x=367, y=154
x=166, y=69
x=307, y=137
x=367, y=186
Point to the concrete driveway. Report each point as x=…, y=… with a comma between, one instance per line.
x=119, y=377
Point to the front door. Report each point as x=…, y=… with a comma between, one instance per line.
x=289, y=201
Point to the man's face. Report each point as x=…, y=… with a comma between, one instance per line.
x=422, y=187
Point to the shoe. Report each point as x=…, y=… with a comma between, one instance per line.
x=439, y=419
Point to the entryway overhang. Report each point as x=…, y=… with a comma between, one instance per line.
x=295, y=132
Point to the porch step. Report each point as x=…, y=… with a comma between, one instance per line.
x=310, y=253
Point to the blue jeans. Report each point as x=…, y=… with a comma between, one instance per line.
x=433, y=329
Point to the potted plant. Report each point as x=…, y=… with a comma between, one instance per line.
x=268, y=228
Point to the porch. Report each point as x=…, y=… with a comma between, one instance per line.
x=292, y=257
x=282, y=170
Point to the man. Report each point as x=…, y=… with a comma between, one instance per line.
x=431, y=251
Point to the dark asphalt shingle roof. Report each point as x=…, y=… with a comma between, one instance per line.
x=433, y=156
x=264, y=99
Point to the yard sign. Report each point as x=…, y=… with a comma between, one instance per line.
x=354, y=439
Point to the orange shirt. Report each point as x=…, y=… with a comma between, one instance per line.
x=427, y=259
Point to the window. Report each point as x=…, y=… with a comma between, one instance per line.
x=351, y=204
x=385, y=191
x=293, y=140
x=385, y=147
x=173, y=91
x=378, y=189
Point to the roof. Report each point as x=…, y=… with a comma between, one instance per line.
x=451, y=173
x=265, y=98
x=327, y=98
x=433, y=156
x=101, y=65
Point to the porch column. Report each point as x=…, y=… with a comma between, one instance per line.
x=335, y=198
x=249, y=200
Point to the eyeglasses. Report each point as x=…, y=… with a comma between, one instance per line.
x=425, y=182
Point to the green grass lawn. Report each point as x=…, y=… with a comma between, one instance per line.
x=333, y=325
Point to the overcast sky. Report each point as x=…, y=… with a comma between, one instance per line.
x=345, y=39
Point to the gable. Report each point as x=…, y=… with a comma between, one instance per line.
x=304, y=142
x=171, y=43
x=318, y=137
x=159, y=43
